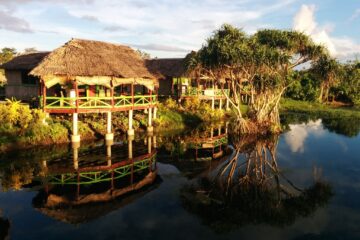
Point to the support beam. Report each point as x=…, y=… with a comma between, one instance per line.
x=155, y=113
x=130, y=146
x=220, y=104
x=227, y=104
x=75, y=148
x=150, y=127
x=108, y=152
x=75, y=137
x=109, y=135
x=131, y=130
x=44, y=94
x=154, y=141
x=149, y=144
x=213, y=103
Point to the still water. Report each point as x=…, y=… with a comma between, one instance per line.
x=202, y=184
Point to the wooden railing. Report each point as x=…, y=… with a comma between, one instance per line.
x=208, y=92
x=99, y=102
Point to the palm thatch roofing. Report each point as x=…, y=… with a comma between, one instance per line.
x=167, y=67
x=93, y=62
x=25, y=61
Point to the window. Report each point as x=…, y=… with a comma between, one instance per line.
x=28, y=79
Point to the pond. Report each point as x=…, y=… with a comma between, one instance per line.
x=199, y=184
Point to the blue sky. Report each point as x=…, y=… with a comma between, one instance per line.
x=171, y=28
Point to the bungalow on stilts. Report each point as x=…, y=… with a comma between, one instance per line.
x=86, y=76
x=176, y=82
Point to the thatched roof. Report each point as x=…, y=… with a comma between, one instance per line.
x=25, y=61
x=93, y=58
x=167, y=67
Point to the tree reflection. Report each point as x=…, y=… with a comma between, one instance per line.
x=250, y=188
x=4, y=228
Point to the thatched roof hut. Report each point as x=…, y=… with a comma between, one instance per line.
x=94, y=63
x=25, y=61
x=167, y=67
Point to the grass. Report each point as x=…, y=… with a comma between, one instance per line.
x=317, y=109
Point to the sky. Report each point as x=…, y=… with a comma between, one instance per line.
x=172, y=28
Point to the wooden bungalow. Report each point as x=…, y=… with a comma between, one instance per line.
x=176, y=82
x=85, y=76
x=20, y=84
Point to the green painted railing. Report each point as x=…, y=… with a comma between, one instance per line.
x=98, y=102
x=208, y=92
x=90, y=177
x=214, y=142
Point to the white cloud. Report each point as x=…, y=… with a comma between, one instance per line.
x=298, y=133
x=12, y=23
x=341, y=47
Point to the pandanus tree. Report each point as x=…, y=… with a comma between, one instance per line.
x=250, y=188
x=261, y=63
x=328, y=71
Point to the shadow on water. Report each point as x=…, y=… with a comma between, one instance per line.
x=248, y=187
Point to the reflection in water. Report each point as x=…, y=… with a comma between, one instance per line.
x=346, y=126
x=249, y=187
x=84, y=187
x=4, y=228
x=252, y=183
x=199, y=150
x=299, y=132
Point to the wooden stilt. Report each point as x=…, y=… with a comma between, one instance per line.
x=131, y=130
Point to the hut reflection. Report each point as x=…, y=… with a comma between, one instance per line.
x=199, y=150
x=92, y=185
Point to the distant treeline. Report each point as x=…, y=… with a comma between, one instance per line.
x=327, y=81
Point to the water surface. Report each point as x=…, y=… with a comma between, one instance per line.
x=304, y=184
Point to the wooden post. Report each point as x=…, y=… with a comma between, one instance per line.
x=220, y=104
x=150, y=127
x=44, y=94
x=75, y=137
x=132, y=95
x=149, y=144
x=77, y=95
x=155, y=113
x=227, y=100
x=213, y=103
x=109, y=135
x=131, y=130
x=112, y=95
x=154, y=141
x=76, y=157
x=130, y=147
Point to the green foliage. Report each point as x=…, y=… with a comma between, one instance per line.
x=348, y=89
x=261, y=65
x=6, y=54
x=305, y=87
x=319, y=110
x=14, y=115
x=45, y=134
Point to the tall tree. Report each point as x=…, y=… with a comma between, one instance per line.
x=328, y=71
x=261, y=63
